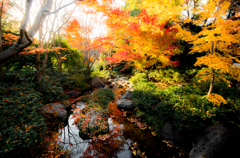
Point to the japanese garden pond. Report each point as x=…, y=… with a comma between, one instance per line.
x=126, y=139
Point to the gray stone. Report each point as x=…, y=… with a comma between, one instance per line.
x=211, y=144
x=125, y=104
x=97, y=82
x=57, y=110
x=127, y=95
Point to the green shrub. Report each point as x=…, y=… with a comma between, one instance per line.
x=146, y=100
x=102, y=97
x=100, y=68
x=22, y=124
x=147, y=86
x=138, y=77
x=52, y=90
x=168, y=76
x=187, y=108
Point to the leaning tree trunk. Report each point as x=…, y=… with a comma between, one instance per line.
x=213, y=74
x=25, y=38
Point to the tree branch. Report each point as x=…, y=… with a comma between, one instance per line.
x=62, y=7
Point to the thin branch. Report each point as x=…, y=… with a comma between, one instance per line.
x=62, y=7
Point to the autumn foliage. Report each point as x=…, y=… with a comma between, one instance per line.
x=140, y=36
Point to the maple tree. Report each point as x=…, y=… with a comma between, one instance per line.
x=141, y=34
x=216, y=40
x=78, y=35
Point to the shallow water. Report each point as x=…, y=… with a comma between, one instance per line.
x=124, y=136
x=71, y=140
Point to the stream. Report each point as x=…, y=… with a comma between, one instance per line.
x=126, y=139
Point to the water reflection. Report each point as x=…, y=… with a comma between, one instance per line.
x=71, y=140
x=122, y=136
x=115, y=146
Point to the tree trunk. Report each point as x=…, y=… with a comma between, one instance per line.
x=212, y=82
x=213, y=74
x=40, y=72
x=38, y=67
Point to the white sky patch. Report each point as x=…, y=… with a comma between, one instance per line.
x=99, y=28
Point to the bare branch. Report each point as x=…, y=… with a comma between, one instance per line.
x=63, y=7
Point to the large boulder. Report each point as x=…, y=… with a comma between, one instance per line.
x=97, y=82
x=93, y=122
x=211, y=144
x=125, y=104
x=57, y=110
x=170, y=133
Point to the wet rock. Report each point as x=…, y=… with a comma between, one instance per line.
x=211, y=144
x=97, y=82
x=56, y=109
x=125, y=104
x=127, y=95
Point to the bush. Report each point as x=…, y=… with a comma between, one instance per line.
x=168, y=76
x=100, y=68
x=102, y=97
x=138, y=77
x=22, y=125
x=147, y=86
x=188, y=108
